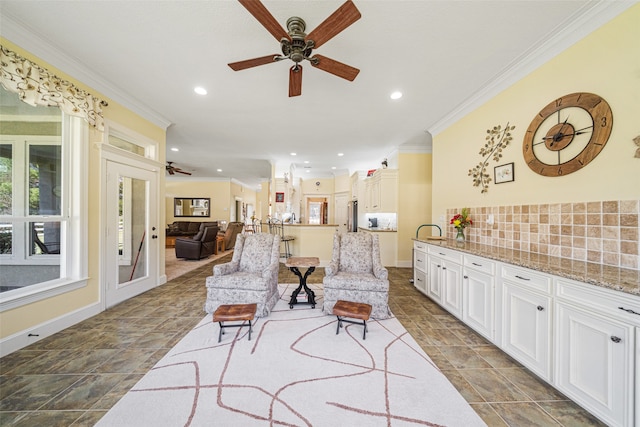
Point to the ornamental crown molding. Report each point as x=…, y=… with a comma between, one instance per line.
x=18, y=33
x=589, y=18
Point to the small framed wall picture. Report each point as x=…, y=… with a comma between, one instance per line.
x=279, y=197
x=503, y=173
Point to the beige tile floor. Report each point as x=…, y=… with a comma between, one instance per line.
x=73, y=377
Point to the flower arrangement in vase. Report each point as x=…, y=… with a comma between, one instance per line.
x=460, y=222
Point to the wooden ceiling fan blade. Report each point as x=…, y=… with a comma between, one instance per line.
x=254, y=62
x=344, y=16
x=260, y=12
x=335, y=67
x=183, y=172
x=295, y=80
x=170, y=170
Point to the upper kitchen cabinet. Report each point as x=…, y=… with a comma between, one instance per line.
x=382, y=191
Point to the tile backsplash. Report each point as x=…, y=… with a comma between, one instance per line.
x=604, y=232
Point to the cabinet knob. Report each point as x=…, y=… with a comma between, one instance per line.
x=540, y=308
x=438, y=265
x=466, y=277
x=444, y=268
x=616, y=339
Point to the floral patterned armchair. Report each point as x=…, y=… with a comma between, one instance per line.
x=356, y=274
x=250, y=277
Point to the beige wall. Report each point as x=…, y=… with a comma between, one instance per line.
x=21, y=318
x=218, y=191
x=414, y=201
x=607, y=63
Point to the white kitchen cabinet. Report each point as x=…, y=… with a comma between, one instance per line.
x=382, y=191
x=444, y=279
x=526, y=319
x=420, y=266
x=478, y=295
x=596, y=351
x=583, y=339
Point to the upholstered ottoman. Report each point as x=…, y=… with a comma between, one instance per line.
x=234, y=313
x=355, y=310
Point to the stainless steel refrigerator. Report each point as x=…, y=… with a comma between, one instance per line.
x=352, y=218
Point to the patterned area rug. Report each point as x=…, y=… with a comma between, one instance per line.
x=295, y=371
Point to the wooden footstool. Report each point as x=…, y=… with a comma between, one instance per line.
x=234, y=313
x=355, y=310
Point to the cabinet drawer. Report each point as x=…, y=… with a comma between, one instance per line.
x=420, y=281
x=420, y=261
x=527, y=278
x=611, y=303
x=419, y=246
x=444, y=253
x=480, y=264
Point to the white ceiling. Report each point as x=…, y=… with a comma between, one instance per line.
x=445, y=56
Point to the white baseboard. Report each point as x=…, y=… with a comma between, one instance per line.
x=162, y=280
x=404, y=264
x=36, y=333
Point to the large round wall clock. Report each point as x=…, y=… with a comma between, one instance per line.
x=567, y=134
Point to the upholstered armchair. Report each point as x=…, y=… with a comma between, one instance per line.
x=250, y=277
x=356, y=274
x=229, y=235
x=199, y=246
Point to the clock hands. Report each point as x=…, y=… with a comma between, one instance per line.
x=559, y=136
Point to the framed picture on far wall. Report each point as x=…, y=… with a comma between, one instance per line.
x=503, y=173
x=279, y=197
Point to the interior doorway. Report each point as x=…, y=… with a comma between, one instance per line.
x=317, y=210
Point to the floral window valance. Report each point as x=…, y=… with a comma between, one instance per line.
x=37, y=86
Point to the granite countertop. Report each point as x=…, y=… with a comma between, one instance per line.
x=378, y=229
x=606, y=276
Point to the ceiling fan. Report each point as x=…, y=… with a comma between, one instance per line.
x=172, y=169
x=297, y=46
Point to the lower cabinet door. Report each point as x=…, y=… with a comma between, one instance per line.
x=594, y=363
x=477, y=302
x=526, y=330
x=434, y=281
x=452, y=288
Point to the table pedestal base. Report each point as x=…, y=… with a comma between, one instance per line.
x=311, y=296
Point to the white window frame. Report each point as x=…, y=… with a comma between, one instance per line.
x=74, y=218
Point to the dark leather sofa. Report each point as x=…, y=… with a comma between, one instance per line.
x=201, y=245
x=187, y=228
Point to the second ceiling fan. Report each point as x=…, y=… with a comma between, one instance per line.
x=297, y=46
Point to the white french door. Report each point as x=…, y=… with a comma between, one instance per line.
x=131, y=241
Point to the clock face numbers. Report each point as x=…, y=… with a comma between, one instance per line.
x=567, y=134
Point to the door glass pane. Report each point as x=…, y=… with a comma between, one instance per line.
x=45, y=179
x=6, y=173
x=132, y=245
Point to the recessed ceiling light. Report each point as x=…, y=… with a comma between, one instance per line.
x=308, y=170
x=174, y=149
x=219, y=170
x=396, y=95
x=200, y=90
x=340, y=154
x=333, y=167
x=293, y=154
x=306, y=161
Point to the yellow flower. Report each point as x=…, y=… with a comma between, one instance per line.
x=457, y=223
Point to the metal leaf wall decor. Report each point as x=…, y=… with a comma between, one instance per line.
x=497, y=140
